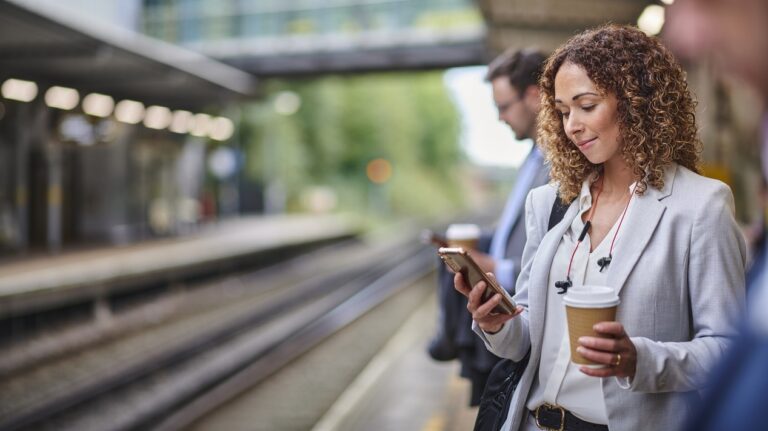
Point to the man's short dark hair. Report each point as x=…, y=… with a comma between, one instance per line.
x=522, y=68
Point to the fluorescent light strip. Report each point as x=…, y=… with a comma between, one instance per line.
x=221, y=129
x=129, y=111
x=98, y=105
x=62, y=98
x=19, y=90
x=158, y=117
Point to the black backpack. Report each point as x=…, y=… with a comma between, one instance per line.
x=506, y=374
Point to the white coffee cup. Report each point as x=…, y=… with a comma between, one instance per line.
x=585, y=306
x=463, y=235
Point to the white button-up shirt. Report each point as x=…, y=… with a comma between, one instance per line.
x=559, y=381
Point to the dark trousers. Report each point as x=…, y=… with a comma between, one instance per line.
x=455, y=338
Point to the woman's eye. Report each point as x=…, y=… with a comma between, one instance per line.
x=588, y=107
x=565, y=114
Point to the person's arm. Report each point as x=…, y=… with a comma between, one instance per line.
x=513, y=339
x=716, y=288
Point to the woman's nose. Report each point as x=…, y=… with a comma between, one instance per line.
x=572, y=124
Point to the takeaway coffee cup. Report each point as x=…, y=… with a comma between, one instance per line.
x=585, y=306
x=465, y=236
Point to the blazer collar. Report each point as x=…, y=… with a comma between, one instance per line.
x=669, y=182
x=638, y=229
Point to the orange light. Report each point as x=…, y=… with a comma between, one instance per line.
x=379, y=171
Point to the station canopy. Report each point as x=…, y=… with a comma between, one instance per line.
x=546, y=24
x=57, y=46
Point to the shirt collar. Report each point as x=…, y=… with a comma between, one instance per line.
x=585, y=197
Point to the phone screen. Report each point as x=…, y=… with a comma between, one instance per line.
x=461, y=262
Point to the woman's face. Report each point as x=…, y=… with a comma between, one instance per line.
x=590, y=117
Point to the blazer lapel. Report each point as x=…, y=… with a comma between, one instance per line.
x=637, y=230
x=537, y=296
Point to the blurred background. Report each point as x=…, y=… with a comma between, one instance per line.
x=181, y=180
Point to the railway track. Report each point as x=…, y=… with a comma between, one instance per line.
x=236, y=332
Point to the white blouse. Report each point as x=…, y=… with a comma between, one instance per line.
x=559, y=381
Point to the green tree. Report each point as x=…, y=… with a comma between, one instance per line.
x=343, y=123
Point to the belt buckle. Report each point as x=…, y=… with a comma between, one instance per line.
x=550, y=407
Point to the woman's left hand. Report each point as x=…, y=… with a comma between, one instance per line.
x=616, y=350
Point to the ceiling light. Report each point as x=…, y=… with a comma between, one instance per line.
x=181, y=122
x=651, y=20
x=158, y=117
x=221, y=129
x=201, y=124
x=98, y=105
x=18, y=89
x=62, y=98
x=129, y=111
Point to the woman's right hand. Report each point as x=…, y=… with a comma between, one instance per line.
x=481, y=311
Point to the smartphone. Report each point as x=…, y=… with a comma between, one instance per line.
x=460, y=261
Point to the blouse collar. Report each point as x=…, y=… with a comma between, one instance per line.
x=585, y=197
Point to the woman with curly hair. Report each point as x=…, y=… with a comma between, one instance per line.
x=618, y=128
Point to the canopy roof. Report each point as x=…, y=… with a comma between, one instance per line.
x=56, y=46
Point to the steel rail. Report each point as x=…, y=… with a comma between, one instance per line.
x=350, y=280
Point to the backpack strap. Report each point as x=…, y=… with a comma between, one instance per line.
x=557, y=213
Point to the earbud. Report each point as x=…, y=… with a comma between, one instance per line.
x=603, y=262
x=563, y=285
x=584, y=231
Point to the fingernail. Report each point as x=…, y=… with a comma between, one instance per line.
x=580, y=349
x=582, y=340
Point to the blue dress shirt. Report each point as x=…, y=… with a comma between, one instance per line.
x=514, y=209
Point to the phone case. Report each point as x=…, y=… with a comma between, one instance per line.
x=460, y=261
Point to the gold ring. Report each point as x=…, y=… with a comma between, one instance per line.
x=618, y=360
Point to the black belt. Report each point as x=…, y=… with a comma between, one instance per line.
x=556, y=418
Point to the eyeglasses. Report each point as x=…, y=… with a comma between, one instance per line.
x=504, y=107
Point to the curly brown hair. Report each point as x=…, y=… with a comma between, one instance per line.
x=656, y=111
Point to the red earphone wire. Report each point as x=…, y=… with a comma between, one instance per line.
x=589, y=220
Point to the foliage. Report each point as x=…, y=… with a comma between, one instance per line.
x=345, y=122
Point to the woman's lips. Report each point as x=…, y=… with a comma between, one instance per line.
x=585, y=144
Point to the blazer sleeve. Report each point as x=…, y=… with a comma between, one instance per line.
x=513, y=340
x=716, y=271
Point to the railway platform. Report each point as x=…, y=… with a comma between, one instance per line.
x=47, y=281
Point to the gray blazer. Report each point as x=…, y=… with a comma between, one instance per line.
x=680, y=274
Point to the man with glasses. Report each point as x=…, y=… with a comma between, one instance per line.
x=514, y=79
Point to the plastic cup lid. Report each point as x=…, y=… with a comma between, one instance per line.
x=463, y=231
x=591, y=297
